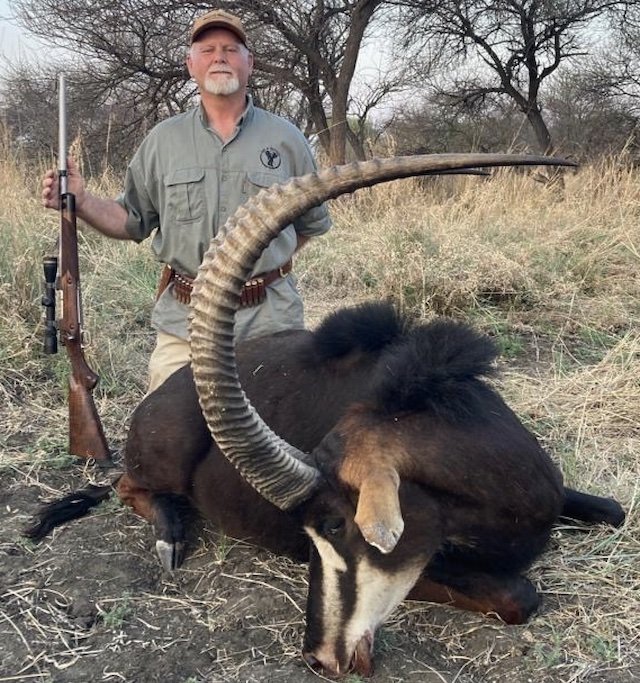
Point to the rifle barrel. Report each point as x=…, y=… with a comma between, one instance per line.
x=62, y=135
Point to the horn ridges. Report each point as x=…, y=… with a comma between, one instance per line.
x=274, y=468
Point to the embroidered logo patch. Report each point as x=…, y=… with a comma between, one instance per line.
x=270, y=157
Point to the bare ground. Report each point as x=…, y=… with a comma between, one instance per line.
x=91, y=603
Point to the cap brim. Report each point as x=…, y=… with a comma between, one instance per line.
x=218, y=24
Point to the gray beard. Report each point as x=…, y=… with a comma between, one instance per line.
x=222, y=86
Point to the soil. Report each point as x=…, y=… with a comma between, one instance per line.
x=91, y=603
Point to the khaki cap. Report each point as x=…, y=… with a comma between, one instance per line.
x=218, y=18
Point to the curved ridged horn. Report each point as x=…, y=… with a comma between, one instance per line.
x=275, y=469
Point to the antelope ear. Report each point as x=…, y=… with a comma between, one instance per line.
x=378, y=514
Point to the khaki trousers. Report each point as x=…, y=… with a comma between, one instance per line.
x=170, y=354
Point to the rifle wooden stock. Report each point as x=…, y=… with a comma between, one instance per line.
x=86, y=436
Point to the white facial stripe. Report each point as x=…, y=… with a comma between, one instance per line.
x=378, y=593
x=333, y=565
x=330, y=557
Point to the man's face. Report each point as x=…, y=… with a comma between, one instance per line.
x=219, y=63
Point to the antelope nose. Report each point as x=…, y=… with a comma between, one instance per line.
x=311, y=661
x=320, y=667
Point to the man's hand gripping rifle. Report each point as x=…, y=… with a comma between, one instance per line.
x=86, y=436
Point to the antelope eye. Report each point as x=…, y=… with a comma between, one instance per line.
x=332, y=526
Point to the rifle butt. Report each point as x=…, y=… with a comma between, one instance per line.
x=86, y=436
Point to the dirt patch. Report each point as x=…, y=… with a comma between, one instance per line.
x=91, y=603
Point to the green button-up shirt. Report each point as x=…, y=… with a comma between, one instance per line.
x=184, y=182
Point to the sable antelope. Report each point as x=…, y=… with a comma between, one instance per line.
x=391, y=453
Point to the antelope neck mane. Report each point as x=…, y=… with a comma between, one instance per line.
x=416, y=366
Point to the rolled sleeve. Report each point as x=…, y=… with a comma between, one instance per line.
x=313, y=223
x=316, y=221
x=142, y=214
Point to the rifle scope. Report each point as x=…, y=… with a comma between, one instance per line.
x=50, y=267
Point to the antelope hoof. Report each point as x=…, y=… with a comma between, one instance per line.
x=171, y=554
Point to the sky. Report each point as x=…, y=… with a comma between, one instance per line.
x=14, y=41
x=17, y=45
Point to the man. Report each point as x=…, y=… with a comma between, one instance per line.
x=189, y=175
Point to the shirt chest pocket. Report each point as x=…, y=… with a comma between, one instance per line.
x=185, y=198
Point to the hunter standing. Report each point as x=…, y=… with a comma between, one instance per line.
x=189, y=175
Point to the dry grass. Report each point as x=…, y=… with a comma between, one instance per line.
x=555, y=281
x=505, y=242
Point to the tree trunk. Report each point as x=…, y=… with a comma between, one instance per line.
x=338, y=146
x=540, y=130
x=339, y=93
x=551, y=177
x=356, y=144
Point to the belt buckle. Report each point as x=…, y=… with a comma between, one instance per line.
x=281, y=271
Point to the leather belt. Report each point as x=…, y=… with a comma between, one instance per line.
x=254, y=291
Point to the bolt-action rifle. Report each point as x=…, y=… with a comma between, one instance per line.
x=61, y=273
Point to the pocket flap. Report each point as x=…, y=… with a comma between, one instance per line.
x=184, y=175
x=262, y=179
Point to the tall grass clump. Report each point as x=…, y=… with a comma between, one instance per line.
x=506, y=242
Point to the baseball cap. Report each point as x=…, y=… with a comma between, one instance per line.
x=218, y=18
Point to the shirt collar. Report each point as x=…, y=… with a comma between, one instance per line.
x=245, y=117
x=247, y=114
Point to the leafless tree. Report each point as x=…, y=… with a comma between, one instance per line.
x=125, y=62
x=433, y=124
x=588, y=116
x=615, y=74
x=103, y=128
x=131, y=52
x=506, y=48
x=314, y=46
x=130, y=48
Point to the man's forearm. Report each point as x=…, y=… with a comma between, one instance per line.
x=104, y=215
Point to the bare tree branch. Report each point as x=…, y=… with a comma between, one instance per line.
x=521, y=44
